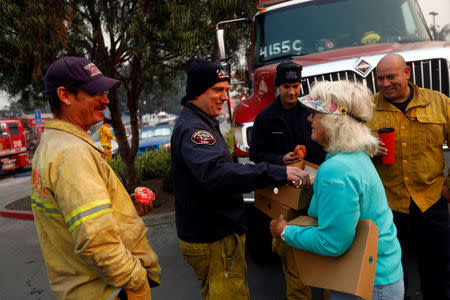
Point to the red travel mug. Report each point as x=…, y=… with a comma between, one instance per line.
x=387, y=136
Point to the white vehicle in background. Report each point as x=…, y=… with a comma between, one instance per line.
x=158, y=118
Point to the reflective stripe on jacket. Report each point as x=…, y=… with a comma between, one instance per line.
x=105, y=136
x=419, y=159
x=92, y=239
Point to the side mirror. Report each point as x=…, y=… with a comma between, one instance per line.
x=248, y=79
x=221, y=51
x=248, y=60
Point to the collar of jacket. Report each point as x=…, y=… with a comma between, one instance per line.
x=279, y=107
x=71, y=128
x=210, y=120
x=415, y=101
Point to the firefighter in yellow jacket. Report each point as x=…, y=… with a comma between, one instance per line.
x=105, y=136
x=93, y=241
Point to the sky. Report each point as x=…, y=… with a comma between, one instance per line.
x=442, y=7
x=3, y=99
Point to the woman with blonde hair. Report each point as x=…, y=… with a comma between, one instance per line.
x=347, y=187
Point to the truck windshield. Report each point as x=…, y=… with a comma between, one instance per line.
x=323, y=25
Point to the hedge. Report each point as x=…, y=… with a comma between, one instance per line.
x=148, y=165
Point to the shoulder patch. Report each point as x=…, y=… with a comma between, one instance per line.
x=203, y=137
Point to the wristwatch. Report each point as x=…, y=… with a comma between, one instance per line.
x=282, y=234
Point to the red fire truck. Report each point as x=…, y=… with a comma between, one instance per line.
x=19, y=138
x=333, y=40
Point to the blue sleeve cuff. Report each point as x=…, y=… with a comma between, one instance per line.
x=278, y=173
x=288, y=233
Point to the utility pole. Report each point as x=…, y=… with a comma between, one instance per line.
x=434, y=14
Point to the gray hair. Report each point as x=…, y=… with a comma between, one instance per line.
x=345, y=133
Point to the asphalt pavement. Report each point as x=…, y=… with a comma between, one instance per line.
x=14, y=186
x=23, y=274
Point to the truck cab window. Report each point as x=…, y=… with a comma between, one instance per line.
x=13, y=129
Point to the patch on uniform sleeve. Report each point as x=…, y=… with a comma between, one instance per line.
x=203, y=137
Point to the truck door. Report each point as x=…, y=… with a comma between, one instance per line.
x=17, y=138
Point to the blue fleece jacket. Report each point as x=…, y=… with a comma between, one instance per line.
x=347, y=188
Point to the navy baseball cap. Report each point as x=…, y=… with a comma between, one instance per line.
x=78, y=72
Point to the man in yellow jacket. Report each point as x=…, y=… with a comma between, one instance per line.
x=93, y=241
x=414, y=183
x=105, y=136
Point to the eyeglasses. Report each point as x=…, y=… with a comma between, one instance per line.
x=101, y=94
x=75, y=90
x=319, y=106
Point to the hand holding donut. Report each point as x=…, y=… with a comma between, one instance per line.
x=300, y=151
x=143, y=200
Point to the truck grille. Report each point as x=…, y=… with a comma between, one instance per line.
x=430, y=74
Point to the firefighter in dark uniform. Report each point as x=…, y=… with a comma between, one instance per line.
x=208, y=187
x=277, y=129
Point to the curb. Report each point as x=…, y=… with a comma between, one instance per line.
x=22, y=175
x=17, y=214
x=149, y=220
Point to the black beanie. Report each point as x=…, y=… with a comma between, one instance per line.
x=288, y=72
x=201, y=75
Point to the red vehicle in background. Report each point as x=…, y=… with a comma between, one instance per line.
x=333, y=40
x=19, y=138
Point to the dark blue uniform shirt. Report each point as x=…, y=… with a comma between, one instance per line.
x=208, y=184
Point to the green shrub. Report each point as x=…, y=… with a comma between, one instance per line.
x=230, y=141
x=116, y=165
x=152, y=164
x=148, y=165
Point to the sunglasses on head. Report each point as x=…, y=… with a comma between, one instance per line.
x=317, y=105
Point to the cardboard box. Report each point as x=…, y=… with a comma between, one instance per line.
x=289, y=195
x=273, y=208
x=353, y=272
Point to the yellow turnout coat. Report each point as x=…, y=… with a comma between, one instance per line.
x=92, y=239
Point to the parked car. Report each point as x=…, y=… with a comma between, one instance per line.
x=154, y=138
